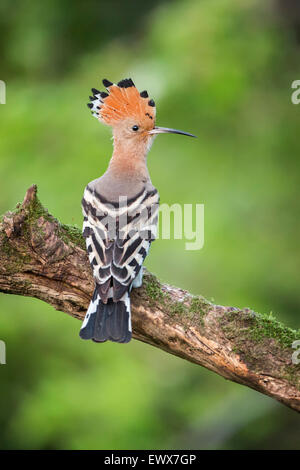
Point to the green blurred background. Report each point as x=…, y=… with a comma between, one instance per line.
x=221, y=69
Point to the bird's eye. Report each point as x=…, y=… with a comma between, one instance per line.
x=135, y=128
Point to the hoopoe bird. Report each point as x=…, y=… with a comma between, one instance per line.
x=120, y=210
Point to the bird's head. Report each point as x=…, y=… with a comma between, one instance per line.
x=131, y=114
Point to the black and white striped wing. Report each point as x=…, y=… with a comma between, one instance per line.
x=98, y=242
x=118, y=237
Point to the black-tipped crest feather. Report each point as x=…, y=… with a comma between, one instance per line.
x=95, y=91
x=107, y=83
x=126, y=83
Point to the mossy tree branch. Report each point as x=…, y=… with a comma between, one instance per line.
x=45, y=259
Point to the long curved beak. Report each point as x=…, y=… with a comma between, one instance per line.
x=167, y=130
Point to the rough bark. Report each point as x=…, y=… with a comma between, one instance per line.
x=40, y=257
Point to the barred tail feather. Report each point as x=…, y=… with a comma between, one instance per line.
x=88, y=324
x=111, y=321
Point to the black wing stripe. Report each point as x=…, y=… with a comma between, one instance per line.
x=98, y=249
x=103, y=200
x=132, y=248
x=143, y=252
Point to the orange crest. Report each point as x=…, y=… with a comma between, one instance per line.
x=121, y=102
